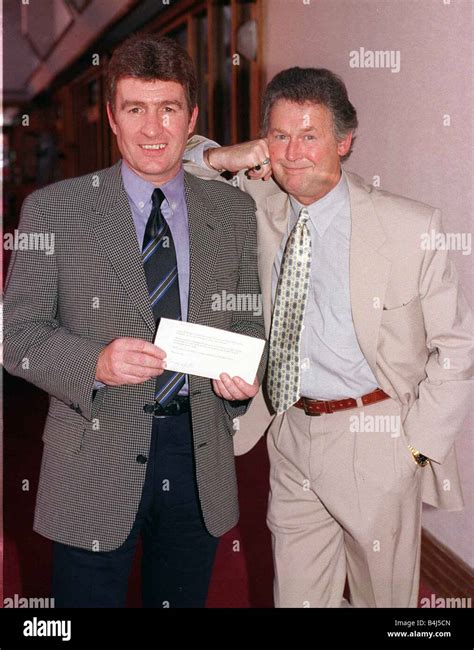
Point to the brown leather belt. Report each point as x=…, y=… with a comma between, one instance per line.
x=318, y=407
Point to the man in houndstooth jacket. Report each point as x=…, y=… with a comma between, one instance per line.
x=79, y=325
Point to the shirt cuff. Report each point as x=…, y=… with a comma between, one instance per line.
x=195, y=152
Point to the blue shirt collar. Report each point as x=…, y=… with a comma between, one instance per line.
x=323, y=211
x=139, y=190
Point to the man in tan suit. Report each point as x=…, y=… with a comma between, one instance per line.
x=369, y=370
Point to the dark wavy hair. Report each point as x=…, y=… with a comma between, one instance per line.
x=316, y=85
x=151, y=57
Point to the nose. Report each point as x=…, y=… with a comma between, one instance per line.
x=152, y=124
x=293, y=150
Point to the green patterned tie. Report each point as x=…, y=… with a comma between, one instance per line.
x=290, y=302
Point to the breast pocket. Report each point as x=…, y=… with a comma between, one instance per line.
x=402, y=338
x=404, y=316
x=228, y=281
x=224, y=298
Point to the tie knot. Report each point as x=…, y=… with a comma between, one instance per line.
x=303, y=216
x=157, y=198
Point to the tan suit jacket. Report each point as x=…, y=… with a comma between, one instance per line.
x=411, y=319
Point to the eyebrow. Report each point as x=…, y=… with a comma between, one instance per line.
x=166, y=102
x=305, y=130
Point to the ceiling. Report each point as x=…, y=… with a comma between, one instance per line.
x=42, y=37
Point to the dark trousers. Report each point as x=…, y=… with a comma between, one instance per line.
x=178, y=552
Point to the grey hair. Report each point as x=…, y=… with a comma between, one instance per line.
x=315, y=85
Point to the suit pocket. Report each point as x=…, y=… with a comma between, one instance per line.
x=405, y=460
x=229, y=423
x=407, y=457
x=409, y=309
x=224, y=299
x=228, y=281
x=64, y=428
x=402, y=340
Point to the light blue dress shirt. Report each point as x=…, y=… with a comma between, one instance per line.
x=332, y=363
x=175, y=211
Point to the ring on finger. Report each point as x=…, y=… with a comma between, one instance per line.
x=266, y=161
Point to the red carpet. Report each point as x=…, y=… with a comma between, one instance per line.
x=243, y=571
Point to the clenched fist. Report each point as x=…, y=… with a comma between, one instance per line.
x=247, y=155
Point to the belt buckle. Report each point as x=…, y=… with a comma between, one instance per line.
x=174, y=407
x=307, y=409
x=159, y=411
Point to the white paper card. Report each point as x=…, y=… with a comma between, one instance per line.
x=207, y=351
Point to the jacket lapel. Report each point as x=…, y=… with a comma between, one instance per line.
x=204, y=242
x=271, y=230
x=369, y=269
x=116, y=234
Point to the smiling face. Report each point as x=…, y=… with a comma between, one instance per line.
x=152, y=123
x=304, y=152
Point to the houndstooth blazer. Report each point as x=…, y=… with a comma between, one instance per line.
x=62, y=309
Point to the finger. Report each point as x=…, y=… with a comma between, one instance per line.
x=131, y=379
x=262, y=163
x=122, y=379
x=154, y=351
x=254, y=175
x=138, y=371
x=144, y=360
x=223, y=391
x=249, y=390
x=215, y=386
x=232, y=388
x=139, y=345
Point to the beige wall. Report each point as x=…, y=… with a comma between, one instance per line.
x=401, y=137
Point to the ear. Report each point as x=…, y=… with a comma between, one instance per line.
x=344, y=145
x=192, y=120
x=110, y=115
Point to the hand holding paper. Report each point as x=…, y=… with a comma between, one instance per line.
x=208, y=351
x=234, y=388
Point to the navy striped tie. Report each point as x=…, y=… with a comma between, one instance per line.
x=161, y=272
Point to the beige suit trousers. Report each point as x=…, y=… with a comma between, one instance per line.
x=345, y=501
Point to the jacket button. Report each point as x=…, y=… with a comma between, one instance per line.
x=141, y=459
x=149, y=408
